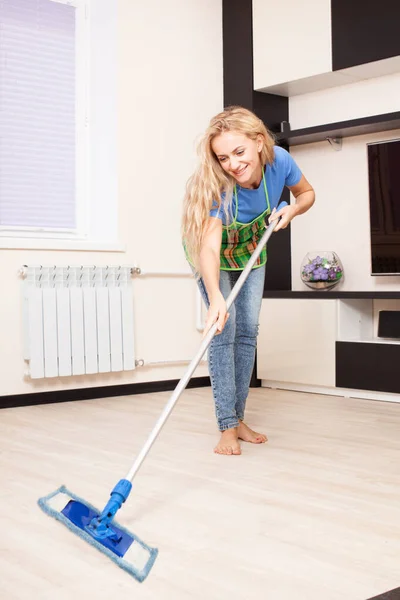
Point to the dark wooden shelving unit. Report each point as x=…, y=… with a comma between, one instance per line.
x=360, y=363
x=332, y=295
x=342, y=129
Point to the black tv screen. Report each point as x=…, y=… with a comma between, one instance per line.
x=384, y=206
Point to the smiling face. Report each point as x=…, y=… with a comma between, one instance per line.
x=239, y=156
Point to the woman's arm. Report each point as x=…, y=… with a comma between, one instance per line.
x=305, y=198
x=209, y=271
x=209, y=256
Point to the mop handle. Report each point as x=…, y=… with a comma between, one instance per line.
x=193, y=365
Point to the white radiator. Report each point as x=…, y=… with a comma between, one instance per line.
x=77, y=320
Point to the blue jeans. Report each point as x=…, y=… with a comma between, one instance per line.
x=232, y=352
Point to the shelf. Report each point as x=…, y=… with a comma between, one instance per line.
x=331, y=295
x=375, y=340
x=373, y=124
x=329, y=344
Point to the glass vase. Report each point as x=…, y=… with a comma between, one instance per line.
x=321, y=270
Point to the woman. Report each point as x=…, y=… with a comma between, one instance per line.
x=235, y=188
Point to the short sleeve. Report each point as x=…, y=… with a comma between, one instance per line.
x=215, y=211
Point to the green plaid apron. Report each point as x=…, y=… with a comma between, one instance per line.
x=239, y=240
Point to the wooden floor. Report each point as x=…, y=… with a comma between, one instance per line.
x=312, y=515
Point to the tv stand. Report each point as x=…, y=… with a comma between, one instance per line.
x=327, y=341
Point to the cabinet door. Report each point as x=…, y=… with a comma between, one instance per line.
x=296, y=341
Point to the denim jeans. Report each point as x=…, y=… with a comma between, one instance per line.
x=231, y=354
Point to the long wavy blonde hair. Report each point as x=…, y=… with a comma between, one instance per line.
x=210, y=182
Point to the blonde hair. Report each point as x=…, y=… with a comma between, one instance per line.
x=209, y=181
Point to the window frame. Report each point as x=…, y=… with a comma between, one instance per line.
x=96, y=212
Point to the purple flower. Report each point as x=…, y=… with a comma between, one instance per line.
x=308, y=270
x=317, y=261
x=320, y=274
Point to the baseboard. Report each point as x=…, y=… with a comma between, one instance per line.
x=330, y=391
x=93, y=393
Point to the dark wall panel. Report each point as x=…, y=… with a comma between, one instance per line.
x=239, y=89
x=271, y=109
x=237, y=30
x=278, y=274
x=364, y=31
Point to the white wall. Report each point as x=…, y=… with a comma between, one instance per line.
x=169, y=85
x=339, y=219
x=373, y=96
x=291, y=40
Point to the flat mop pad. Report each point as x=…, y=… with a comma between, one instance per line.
x=125, y=549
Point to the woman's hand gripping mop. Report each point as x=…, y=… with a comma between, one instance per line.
x=98, y=528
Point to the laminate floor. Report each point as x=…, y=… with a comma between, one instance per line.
x=314, y=514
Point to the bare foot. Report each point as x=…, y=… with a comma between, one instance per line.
x=228, y=443
x=248, y=435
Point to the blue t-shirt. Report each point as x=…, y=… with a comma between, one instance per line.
x=252, y=202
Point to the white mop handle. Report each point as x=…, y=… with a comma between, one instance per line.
x=193, y=365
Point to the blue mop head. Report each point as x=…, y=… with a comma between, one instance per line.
x=131, y=554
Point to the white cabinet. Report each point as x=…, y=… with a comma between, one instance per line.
x=296, y=342
x=329, y=342
x=305, y=26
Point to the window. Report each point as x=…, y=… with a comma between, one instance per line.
x=53, y=184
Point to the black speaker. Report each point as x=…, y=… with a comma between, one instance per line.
x=389, y=324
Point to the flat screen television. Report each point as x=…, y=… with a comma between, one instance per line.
x=384, y=207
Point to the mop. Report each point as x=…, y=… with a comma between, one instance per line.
x=99, y=528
